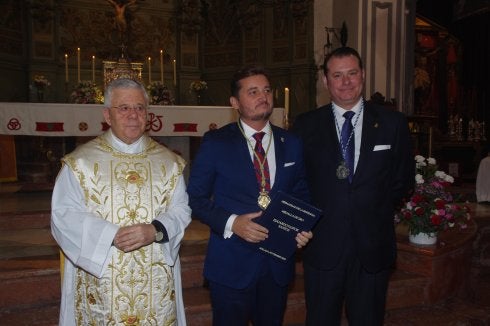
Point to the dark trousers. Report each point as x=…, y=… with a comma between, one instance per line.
x=263, y=303
x=363, y=293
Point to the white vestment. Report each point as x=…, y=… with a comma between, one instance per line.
x=483, y=181
x=103, y=185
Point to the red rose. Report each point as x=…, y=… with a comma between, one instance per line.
x=435, y=219
x=440, y=204
x=417, y=198
x=419, y=211
x=407, y=215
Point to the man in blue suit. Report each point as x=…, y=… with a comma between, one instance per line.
x=359, y=166
x=230, y=183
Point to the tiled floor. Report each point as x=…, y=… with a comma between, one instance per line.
x=474, y=310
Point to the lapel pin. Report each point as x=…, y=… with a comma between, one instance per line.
x=376, y=125
x=282, y=139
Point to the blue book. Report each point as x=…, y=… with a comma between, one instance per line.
x=284, y=218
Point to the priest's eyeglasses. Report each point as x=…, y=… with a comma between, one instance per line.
x=126, y=109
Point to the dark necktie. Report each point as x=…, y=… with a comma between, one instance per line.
x=260, y=156
x=348, y=142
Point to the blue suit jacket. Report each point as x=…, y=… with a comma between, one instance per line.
x=362, y=212
x=222, y=182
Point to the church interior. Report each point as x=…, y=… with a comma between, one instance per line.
x=428, y=59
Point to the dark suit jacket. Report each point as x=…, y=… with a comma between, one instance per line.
x=222, y=182
x=361, y=212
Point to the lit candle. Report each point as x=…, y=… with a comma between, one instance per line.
x=149, y=70
x=286, y=102
x=175, y=72
x=78, y=64
x=161, y=66
x=93, y=68
x=66, y=68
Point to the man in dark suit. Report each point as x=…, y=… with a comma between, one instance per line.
x=357, y=173
x=227, y=192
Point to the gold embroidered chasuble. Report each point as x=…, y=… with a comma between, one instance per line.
x=137, y=288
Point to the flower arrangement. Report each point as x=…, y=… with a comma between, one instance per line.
x=431, y=208
x=41, y=82
x=159, y=94
x=198, y=85
x=86, y=92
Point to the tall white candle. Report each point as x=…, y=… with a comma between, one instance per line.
x=66, y=68
x=93, y=68
x=161, y=66
x=175, y=72
x=149, y=70
x=78, y=64
x=286, y=102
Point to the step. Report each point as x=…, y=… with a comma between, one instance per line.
x=12, y=221
x=406, y=289
x=198, y=305
x=447, y=263
x=29, y=281
x=39, y=315
x=191, y=261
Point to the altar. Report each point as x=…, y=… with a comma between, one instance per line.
x=171, y=125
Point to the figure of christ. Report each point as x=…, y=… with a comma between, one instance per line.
x=120, y=13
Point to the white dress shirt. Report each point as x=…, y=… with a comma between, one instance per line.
x=271, y=161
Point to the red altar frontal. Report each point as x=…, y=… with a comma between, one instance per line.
x=173, y=123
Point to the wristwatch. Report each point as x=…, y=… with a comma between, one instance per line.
x=161, y=232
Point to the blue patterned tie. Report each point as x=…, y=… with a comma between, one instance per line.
x=348, y=144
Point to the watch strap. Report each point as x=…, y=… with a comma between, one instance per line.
x=160, y=228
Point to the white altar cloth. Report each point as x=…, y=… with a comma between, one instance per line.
x=60, y=119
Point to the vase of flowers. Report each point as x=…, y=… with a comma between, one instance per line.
x=431, y=208
x=198, y=86
x=159, y=94
x=423, y=238
x=41, y=83
x=86, y=92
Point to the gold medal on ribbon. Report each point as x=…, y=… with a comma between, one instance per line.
x=263, y=200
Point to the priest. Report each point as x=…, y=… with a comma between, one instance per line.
x=119, y=211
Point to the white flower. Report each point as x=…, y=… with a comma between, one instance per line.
x=440, y=174
x=419, y=179
x=419, y=158
x=448, y=178
x=431, y=160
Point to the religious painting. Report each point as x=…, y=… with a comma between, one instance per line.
x=435, y=82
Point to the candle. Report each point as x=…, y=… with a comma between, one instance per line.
x=93, y=68
x=286, y=102
x=161, y=66
x=149, y=70
x=66, y=68
x=78, y=64
x=175, y=72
